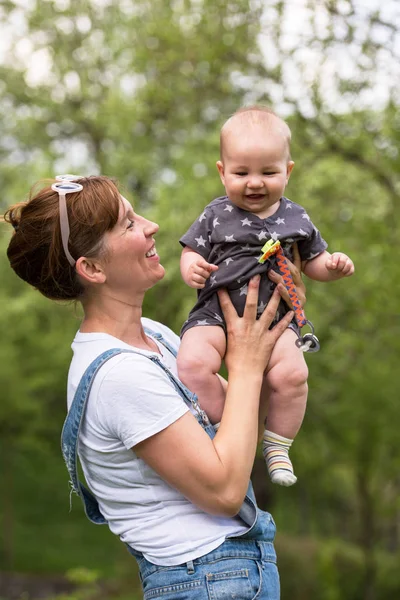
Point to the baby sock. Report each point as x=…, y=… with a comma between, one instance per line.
x=276, y=455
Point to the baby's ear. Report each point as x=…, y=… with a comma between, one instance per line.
x=220, y=167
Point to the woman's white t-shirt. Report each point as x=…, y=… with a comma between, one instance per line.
x=132, y=399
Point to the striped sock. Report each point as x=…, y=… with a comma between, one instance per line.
x=276, y=455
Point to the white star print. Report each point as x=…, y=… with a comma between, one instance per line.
x=313, y=256
x=246, y=222
x=290, y=240
x=230, y=238
x=202, y=217
x=201, y=241
x=301, y=232
x=228, y=260
x=216, y=315
x=288, y=206
x=262, y=235
x=261, y=307
x=228, y=207
x=274, y=236
x=305, y=216
x=246, y=247
x=243, y=290
x=216, y=222
x=213, y=280
x=280, y=221
x=203, y=322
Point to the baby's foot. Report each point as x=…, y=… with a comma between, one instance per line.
x=276, y=455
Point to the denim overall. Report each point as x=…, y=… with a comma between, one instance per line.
x=243, y=567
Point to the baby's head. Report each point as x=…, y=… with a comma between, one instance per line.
x=251, y=120
x=255, y=162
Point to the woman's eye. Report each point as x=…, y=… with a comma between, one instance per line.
x=131, y=224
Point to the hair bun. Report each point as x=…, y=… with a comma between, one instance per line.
x=13, y=221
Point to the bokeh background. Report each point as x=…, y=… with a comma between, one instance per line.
x=138, y=89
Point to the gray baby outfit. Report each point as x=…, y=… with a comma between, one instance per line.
x=232, y=238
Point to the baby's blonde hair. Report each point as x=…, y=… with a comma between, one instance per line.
x=255, y=115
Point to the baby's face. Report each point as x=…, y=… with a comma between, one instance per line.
x=255, y=168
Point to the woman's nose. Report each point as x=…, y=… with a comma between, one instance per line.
x=150, y=228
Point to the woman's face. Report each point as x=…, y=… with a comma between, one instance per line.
x=133, y=264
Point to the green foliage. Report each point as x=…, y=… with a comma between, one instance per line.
x=138, y=90
x=155, y=68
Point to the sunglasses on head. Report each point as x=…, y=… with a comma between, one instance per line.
x=66, y=184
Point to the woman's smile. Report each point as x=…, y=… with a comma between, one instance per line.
x=152, y=252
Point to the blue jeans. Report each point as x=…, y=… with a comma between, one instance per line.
x=240, y=569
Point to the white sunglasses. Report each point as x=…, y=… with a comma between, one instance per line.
x=66, y=184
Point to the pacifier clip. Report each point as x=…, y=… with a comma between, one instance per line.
x=309, y=341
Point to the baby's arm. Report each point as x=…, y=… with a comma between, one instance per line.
x=329, y=267
x=195, y=269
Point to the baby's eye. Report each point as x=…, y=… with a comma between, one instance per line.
x=241, y=173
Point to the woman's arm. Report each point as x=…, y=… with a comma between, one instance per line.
x=214, y=474
x=295, y=270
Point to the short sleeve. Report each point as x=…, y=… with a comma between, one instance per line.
x=136, y=400
x=312, y=245
x=198, y=235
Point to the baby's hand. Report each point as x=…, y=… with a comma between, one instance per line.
x=198, y=273
x=340, y=265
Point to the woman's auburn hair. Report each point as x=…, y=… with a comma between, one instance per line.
x=35, y=251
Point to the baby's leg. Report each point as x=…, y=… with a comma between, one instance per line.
x=199, y=360
x=286, y=389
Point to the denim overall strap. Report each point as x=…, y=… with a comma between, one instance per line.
x=182, y=389
x=160, y=338
x=70, y=435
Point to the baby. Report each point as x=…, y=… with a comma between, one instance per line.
x=221, y=250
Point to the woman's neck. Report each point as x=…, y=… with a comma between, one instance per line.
x=108, y=314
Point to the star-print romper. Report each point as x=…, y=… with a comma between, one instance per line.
x=232, y=238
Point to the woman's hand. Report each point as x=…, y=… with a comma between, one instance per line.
x=250, y=341
x=295, y=271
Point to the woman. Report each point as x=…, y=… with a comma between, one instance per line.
x=176, y=493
